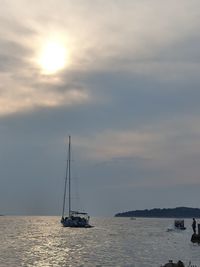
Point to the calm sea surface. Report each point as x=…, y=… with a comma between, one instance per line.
x=43, y=242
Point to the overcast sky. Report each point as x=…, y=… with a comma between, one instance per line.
x=127, y=91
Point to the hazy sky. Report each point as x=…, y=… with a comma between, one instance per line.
x=122, y=77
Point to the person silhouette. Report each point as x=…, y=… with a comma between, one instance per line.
x=194, y=224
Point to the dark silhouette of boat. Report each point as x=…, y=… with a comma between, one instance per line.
x=74, y=218
x=179, y=225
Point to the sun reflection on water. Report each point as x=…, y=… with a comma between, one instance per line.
x=43, y=242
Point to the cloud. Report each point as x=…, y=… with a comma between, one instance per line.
x=113, y=144
x=130, y=37
x=166, y=152
x=129, y=96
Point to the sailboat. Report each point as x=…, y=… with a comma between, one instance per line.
x=74, y=218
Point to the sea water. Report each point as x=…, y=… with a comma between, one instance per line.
x=42, y=242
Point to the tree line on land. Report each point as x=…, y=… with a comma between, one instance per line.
x=179, y=212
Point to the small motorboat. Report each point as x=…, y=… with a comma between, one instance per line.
x=179, y=225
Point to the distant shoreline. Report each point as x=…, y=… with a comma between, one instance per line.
x=179, y=212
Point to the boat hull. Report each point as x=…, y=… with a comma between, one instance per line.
x=76, y=222
x=77, y=226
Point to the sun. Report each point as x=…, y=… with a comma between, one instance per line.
x=53, y=57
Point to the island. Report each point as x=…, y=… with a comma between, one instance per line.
x=178, y=212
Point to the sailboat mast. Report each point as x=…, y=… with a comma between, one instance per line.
x=65, y=189
x=69, y=167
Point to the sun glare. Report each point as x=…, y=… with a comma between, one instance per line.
x=53, y=58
